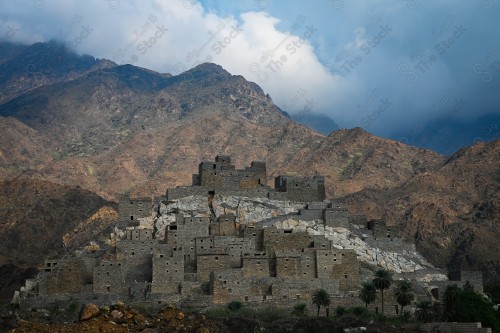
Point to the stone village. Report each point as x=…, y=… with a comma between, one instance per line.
x=229, y=236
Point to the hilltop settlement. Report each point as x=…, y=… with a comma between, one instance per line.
x=232, y=237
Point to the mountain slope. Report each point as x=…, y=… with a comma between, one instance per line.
x=318, y=122
x=354, y=160
x=129, y=131
x=36, y=215
x=39, y=219
x=24, y=68
x=452, y=212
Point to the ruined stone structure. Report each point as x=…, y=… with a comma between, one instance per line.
x=333, y=214
x=221, y=177
x=382, y=231
x=205, y=258
x=130, y=210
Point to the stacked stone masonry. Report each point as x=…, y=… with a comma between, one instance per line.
x=212, y=251
x=222, y=177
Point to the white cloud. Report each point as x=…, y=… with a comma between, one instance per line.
x=254, y=43
x=134, y=32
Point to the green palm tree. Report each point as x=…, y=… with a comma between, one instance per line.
x=382, y=281
x=321, y=298
x=368, y=293
x=450, y=300
x=424, y=312
x=404, y=294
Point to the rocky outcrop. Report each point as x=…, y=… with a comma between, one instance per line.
x=253, y=210
x=247, y=210
x=396, y=256
x=403, y=261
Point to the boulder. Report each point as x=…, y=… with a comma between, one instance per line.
x=116, y=314
x=89, y=311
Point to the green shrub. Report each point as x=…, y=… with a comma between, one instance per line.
x=234, y=305
x=300, y=309
x=272, y=313
x=492, y=289
x=73, y=308
x=360, y=311
x=340, y=311
x=218, y=312
x=471, y=306
x=406, y=316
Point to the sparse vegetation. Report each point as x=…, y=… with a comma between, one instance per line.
x=73, y=308
x=492, y=289
x=272, y=313
x=321, y=298
x=382, y=281
x=404, y=294
x=424, y=312
x=465, y=305
x=300, y=309
x=234, y=305
x=368, y=293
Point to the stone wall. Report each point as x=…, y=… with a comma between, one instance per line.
x=168, y=273
x=336, y=217
x=475, y=278
x=360, y=220
x=133, y=209
x=311, y=214
x=380, y=230
x=222, y=175
x=109, y=277
x=395, y=245
x=288, y=264
x=255, y=264
x=301, y=290
x=286, y=240
x=185, y=191
x=446, y=327
x=68, y=276
x=231, y=285
x=308, y=264
x=347, y=271
x=139, y=234
x=207, y=263
x=301, y=189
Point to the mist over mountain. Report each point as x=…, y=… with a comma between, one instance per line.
x=318, y=122
x=447, y=135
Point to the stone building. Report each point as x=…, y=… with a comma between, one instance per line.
x=333, y=214
x=245, y=262
x=380, y=230
x=130, y=210
x=215, y=259
x=221, y=177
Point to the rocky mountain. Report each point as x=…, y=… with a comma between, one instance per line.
x=140, y=131
x=122, y=129
x=452, y=212
x=24, y=68
x=39, y=219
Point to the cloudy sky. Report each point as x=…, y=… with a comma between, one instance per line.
x=389, y=66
